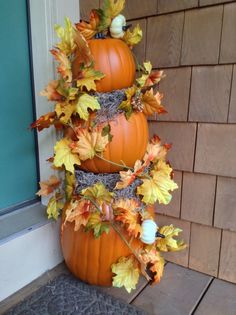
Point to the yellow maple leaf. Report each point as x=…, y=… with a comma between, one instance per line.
x=116, y=7
x=78, y=212
x=126, y=104
x=158, y=187
x=127, y=273
x=64, y=111
x=70, y=184
x=96, y=224
x=147, y=68
x=126, y=212
x=64, y=155
x=47, y=187
x=67, y=44
x=98, y=193
x=90, y=143
x=84, y=103
x=54, y=206
x=87, y=78
x=169, y=244
x=134, y=37
x=152, y=103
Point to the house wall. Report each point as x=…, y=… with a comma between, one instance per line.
x=194, y=41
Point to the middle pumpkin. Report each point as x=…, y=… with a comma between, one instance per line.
x=128, y=144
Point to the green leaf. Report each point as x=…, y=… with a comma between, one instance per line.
x=107, y=131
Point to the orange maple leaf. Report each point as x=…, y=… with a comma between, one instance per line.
x=47, y=187
x=154, y=78
x=155, y=151
x=126, y=212
x=45, y=121
x=127, y=177
x=51, y=91
x=88, y=30
x=152, y=103
x=78, y=212
x=83, y=53
x=64, y=67
x=154, y=263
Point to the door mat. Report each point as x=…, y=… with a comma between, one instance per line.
x=66, y=295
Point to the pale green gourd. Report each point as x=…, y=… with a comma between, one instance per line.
x=149, y=229
x=117, y=24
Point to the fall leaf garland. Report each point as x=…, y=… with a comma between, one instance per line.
x=96, y=208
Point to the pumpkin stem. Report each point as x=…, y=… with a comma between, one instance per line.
x=142, y=265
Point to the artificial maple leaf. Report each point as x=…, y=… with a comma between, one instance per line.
x=78, y=212
x=64, y=155
x=126, y=104
x=127, y=273
x=147, y=68
x=87, y=78
x=158, y=186
x=70, y=185
x=47, y=187
x=67, y=44
x=64, y=67
x=45, y=121
x=154, y=78
x=84, y=103
x=96, y=224
x=98, y=193
x=51, y=91
x=154, y=263
x=88, y=30
x=126, y=212
x=89, y=143
x=152, y=103
x=54, y=206
x=64, y=89
x=83, y=53
x=127, y=177
x=169, y=244
x=115, y=7
x=155, y=151
x=64, y=111
x=134, y=37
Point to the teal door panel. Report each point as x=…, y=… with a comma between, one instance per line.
x=18, y=169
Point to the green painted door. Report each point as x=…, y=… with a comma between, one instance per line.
x=18, y=167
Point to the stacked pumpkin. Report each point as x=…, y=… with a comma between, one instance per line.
x=113, y=175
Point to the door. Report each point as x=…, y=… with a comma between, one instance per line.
x=18, y=162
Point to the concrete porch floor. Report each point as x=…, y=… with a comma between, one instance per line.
x=181, y=292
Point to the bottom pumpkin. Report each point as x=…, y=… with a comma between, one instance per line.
x=90, y=259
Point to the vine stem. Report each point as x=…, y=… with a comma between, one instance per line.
x=113, y=163
x=132, y=250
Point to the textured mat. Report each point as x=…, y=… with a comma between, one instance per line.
x=66, y=295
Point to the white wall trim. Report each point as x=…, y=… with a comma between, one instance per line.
x=30, y=254
x=26, y=257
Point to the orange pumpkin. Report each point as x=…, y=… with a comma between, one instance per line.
x=90, y=259
x=113, y=58
x=128, y=144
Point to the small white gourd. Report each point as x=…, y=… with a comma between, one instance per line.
x=116, y=28
x=149, y=228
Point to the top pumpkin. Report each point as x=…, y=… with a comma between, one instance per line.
x=113, y=58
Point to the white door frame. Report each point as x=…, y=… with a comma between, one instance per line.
x=29, y=254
